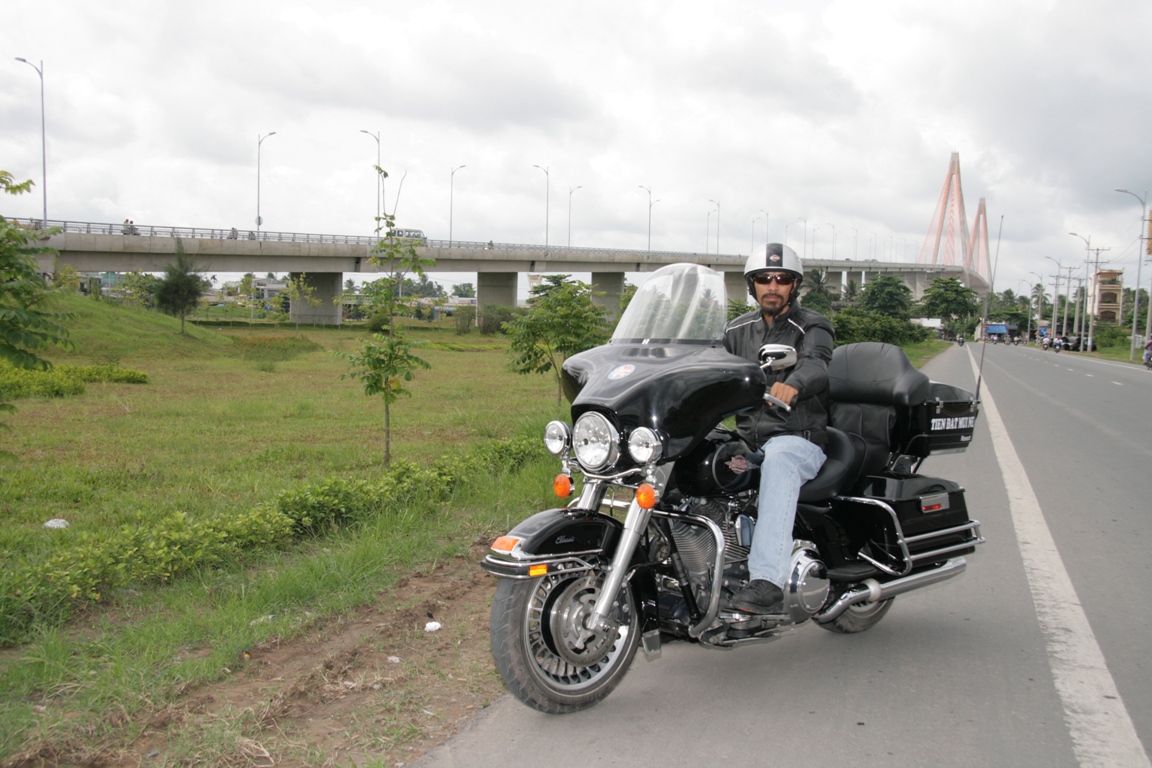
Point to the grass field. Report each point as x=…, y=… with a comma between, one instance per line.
x=218, y=429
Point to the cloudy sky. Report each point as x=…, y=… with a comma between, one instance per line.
x=840, y=113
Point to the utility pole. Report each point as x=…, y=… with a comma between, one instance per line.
x=1095, y=283
x=1069, y=289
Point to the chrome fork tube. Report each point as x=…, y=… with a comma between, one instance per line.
x=634, y=524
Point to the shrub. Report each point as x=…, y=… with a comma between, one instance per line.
x=63, y=380
x=465, y=318
x=494, y=316
x=854, y=325
x=154, y=551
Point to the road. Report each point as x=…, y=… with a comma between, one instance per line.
x=1037, y=656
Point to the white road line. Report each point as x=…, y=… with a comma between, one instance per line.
x=1101, y=729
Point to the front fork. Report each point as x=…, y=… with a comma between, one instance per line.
x=635, y=522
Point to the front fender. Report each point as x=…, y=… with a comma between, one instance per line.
x=570, y=540
x=555, y=539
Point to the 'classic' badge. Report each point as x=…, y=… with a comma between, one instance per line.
x=621, y=371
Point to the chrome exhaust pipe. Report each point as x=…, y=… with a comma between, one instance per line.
x=872, y=591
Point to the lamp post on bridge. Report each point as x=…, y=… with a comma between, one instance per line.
x=833, y=239
x=547, y=203
x=651, y=203
x=1139, y=262
x=43, y=137
x=379, y=181
x=717, y=226
x=766, y=220
x=451, y=186
x=570, y=191
x=259, y=144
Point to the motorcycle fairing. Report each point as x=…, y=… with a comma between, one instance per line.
x=679, y=389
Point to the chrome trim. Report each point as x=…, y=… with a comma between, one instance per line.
x=569, y=563
x=872, y=591
x=650, y=642
x=910, y=560
x=709, y=617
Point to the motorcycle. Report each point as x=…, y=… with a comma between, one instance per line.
x=655, y=540
x=960, y=341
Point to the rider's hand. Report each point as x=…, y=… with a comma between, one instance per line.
x=782, y=391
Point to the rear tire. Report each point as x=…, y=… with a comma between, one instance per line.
x=858, y=618
x=534, y=628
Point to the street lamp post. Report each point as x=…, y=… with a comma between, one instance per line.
x=379, y=181
x=833, y=239
x=451, y=195
x=717, y=226
x=547, y=200
x=43, y=137
x=259, y=143
x=1139, y=262
x=708, y=232
x=570, y=191
x=651, y=203
x=766, y=221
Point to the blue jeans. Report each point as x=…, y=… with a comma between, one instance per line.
x=789, y=462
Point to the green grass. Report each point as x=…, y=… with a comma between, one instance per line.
x=212, y=433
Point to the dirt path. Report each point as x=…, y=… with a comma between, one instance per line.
x=376, y=689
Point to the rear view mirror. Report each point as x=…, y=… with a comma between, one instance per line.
x=777, y=357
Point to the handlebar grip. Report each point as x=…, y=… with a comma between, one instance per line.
x=776, y=402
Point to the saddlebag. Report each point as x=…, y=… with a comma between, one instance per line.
x=904, y=522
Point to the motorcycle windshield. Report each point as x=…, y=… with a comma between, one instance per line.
x=680, y=302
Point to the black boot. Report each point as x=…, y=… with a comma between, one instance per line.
x=759, y=596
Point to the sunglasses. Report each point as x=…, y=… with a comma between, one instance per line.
x=780, y=279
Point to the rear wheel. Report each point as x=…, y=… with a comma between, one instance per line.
x=858, y=618
x=540, y=646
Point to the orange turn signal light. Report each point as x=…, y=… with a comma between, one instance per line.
x=538, y=570
x=562, y=486
x=505, y=544
x=646, y=496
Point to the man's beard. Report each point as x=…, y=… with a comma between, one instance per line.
x=774, y=313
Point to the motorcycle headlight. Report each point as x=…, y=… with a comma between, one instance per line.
x=596, y=441
x=557, y=437
x=644, y=445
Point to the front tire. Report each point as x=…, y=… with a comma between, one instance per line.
x=535, y=632
x=858, y=618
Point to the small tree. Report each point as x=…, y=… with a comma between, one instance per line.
x=26, y=327
x=300, y=293
x=179, y=291
x=561, y=320
x=385, y=361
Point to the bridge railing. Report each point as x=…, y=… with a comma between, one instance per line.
x=151, y=230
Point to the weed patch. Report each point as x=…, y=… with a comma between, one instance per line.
x=63, y=380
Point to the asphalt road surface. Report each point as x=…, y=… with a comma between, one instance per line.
x=1038, y=655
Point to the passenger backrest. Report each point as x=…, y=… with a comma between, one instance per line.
x=867, y=382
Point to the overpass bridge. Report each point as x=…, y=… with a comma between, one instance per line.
x=325, y=259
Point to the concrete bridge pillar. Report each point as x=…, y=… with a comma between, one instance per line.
x=611, y=284
x=736, y=288
x=322, y=305
x=495, y=288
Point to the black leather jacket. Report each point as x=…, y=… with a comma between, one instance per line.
x=813, y=336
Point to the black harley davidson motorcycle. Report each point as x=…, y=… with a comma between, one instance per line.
x=656, y=536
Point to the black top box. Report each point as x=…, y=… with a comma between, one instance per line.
x=943, y=423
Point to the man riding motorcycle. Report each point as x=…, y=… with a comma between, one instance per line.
x=791, y=442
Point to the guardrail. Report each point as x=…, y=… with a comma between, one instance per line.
x=151, y=230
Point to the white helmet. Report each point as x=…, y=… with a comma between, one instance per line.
x=773, y=257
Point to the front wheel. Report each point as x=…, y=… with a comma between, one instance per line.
x=858, y=618
x=541, y=649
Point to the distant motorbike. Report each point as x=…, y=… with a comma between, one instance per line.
x=960, y=340
x=655, y=541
